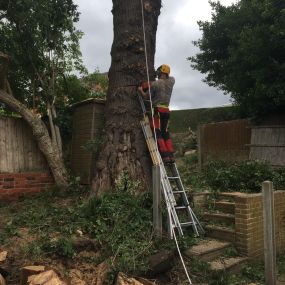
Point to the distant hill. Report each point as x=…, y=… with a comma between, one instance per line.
x=181, y=120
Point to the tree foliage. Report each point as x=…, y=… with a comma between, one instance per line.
x=242, y=52
x=43, y=44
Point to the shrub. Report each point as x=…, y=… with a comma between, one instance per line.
x=245, y=176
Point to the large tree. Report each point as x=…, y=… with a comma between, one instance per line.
x=43, y=45
x=242, y=52
x=125, y=150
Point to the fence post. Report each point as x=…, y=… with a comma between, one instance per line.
x=269, y=233
x=199, y=147
x=156, y=193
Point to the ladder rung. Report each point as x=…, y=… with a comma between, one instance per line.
x=186, y=224
x=173, y=177
x=180, y=207
x=177, y=192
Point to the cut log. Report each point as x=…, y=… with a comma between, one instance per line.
x=45, y=278
x=76, y=277
x=123, y=279
x=28, y=271
x=101, y=272
x=3, y=255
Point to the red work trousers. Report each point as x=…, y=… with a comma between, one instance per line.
x=161, y=119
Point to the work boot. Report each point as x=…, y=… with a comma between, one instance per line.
x=166, y=159
x=171, y=158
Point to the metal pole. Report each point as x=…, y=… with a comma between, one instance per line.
x=156, y=192
x=269, y=233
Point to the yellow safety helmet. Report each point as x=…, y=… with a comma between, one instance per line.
x=164, y=68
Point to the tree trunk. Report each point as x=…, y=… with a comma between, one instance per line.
x=42, y=137
x=125, y=148
x=40, y=131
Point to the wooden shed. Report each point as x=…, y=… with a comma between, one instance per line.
x=87, y=125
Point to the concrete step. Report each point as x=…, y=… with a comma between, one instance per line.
x=221, y=233
x=208, y=249
x=225, y=207
x=230, y=264
x=224, y=218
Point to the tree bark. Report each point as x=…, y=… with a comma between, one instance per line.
x=39, y=129
x=125, y=148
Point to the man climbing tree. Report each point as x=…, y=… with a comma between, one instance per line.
x=124, y=150
x=161, y=91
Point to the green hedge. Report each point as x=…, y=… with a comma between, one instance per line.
x=181, y=120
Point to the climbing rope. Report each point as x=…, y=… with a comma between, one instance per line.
x=155, y=138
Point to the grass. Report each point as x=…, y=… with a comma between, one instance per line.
x=42, y=229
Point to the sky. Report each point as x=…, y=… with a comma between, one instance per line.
x=177, y=28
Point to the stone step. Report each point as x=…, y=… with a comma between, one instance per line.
x=230, y=264
x=224, y=218
x=207, y=249
x=225, y=207
x=221, y=233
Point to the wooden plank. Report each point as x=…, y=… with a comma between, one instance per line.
x=268, y=126
x=2, y=145
x=264, y=145
x=21, y=147
x=156, y=192
x=269, y=233
x=8, y=145
x=14, y=154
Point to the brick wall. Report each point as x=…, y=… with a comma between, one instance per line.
x=14, y=185
x=249, y=223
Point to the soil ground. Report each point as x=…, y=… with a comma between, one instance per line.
x=31, y=230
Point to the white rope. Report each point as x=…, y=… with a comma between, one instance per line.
x=152, y=115
x=147, y=73
x=181, y=257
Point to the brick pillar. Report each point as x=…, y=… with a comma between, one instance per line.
x=249, y=223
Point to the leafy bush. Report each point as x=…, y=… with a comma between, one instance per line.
x=191, y=176
x=122, y=224
x=245, y=176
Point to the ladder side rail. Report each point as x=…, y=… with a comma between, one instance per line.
x=169, y=202
x=168, y=185
x=150, y=143
x=190, y=212
x=173, y=218
x=194, y=222
x=180, y=186
x=198, y=223
x=168, y=195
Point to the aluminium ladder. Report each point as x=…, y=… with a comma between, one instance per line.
x=172, y=186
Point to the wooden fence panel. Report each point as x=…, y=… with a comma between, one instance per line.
x=224, y=140
x=268, y=143
x=18, y=149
